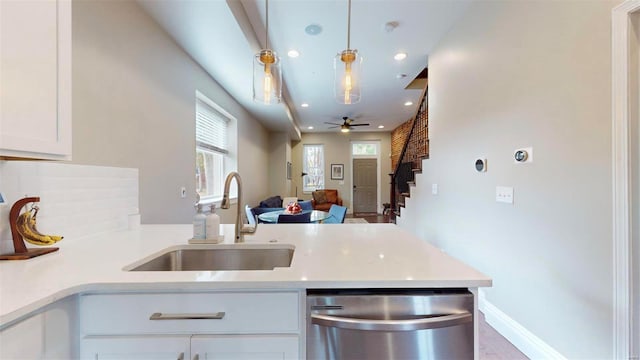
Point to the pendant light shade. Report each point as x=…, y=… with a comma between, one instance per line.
x=347, y=66
x=267, y=75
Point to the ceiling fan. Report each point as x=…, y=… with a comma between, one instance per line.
x=346, y=125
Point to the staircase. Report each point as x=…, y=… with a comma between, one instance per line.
x=409, y=162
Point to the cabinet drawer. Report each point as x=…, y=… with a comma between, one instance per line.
x=237, y=312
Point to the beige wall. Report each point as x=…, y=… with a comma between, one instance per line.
x=510, y=75
x=133, y=106
x=337, y=150
x=279, y=155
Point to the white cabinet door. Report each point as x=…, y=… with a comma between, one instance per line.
x=49, y=334
x=245, y=347
x=135, y=347
x=35, y=79
x=24, y=340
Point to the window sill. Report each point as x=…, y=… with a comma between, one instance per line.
x=217, y=201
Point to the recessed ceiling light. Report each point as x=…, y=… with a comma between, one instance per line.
x=380, y=126
x=310, y=127
x=304, y=105
x=400, y=56
x=408, y=103
x=313, y=29
x=293, y=53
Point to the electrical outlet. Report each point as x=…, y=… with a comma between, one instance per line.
x=434, y=189
x=183, y=192
x=504, y=194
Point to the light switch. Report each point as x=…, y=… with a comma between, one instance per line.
x=183, y=192
x=504, y=194
x=434, y=189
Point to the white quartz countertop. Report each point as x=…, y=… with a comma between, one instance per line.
x=326, y=256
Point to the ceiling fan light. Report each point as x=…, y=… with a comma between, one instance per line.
x=344, y=129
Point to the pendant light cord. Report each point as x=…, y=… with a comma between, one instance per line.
x=348, y=27
x=266, y=33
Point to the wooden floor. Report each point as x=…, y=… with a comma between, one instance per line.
x=493, y=346
x=371, y=218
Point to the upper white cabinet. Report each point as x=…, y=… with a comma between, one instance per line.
x=35, y=79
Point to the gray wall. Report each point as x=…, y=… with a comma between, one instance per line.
x=510, y=75
x=133, y=106
x=337, y=150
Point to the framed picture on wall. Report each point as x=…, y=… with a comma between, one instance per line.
x=337, y=171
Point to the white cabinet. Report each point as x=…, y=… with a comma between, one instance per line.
x=51, y=333
x=215, y=325
x=136, y=348
x=35, y=79
x=245, y=347
x=12, y=339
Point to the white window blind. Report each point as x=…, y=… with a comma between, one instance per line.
x=213, y=159
x=211, y=128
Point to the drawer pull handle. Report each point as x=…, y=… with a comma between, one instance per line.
x=194, y=316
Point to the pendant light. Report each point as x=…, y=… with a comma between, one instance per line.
x=347, y=66
x=267, y=76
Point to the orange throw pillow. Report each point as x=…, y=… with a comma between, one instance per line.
x=319, y=197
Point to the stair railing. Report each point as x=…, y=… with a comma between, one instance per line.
x=415, y=149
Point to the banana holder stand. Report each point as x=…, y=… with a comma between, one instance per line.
x=21, y=250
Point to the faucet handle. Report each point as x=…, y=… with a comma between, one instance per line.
x=249, y=229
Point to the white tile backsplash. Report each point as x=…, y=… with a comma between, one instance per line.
x=75, y=200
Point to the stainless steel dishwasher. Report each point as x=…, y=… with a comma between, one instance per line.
x=370, y=324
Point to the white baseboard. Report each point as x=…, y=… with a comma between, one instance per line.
x=529, y=344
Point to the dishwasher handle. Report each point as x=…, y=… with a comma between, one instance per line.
x=433, y=322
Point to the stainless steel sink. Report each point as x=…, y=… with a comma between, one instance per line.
x=217, y=258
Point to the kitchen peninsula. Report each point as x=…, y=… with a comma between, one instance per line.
x=353, y=256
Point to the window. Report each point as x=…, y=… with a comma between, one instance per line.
x=365, y=149
x=313, y=166
x=212, y=149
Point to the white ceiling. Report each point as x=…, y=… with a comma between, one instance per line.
x=223, y=36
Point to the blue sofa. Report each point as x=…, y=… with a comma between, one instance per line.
x=273, y=203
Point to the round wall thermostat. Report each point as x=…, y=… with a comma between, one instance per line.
x=521, y=155
x=481, y=165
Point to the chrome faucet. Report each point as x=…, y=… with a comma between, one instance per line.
x=226, y=203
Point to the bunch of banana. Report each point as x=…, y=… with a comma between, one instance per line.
x=26, y=225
